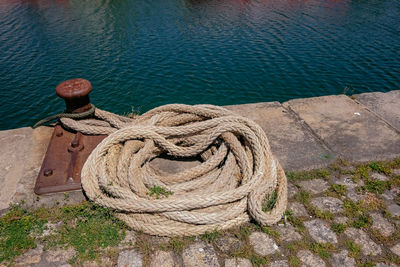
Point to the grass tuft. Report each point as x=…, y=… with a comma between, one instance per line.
x=269, y=202
x=354, y=249
x=158, y=191
x=243, y=233
x=210, y=237
x=338, y=227
x=323, y=250
x=380, y=167
x=338, y=189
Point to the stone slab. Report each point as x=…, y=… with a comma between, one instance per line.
x=21, y=155
x=348, y=128
x=294, y=146
x=386, y=105
x=13, y=158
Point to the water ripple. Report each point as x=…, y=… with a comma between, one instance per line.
x=148, y=53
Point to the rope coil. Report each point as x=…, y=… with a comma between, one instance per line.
x=237, y=170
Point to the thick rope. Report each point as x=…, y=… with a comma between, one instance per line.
x=236, y=175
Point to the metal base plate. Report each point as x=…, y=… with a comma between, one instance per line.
x=65, y=156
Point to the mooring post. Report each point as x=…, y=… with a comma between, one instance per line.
x=75, y=93
x=67, y=150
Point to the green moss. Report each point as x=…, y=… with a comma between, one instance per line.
x=88, y=228
x=258, y=260
x=243, y=232
x=303, y=197
x=375, y=186
x=380, y=167
x=354, y=249
x=210, y=236
x=338, y=189
x=351, y=208
x=362, y=221
x=362, y=172
x=340, y=166
x=296, y=222
x=323, y=250
x=95, y=228
x=394, y=164
x=294, y=262
x=308, y=175
x=338, y=227
x=16, y=228
x=270, y=232
x=246, y=251
x=295, y=246
x=325, y=215
x=158, y=191
x=176, y=244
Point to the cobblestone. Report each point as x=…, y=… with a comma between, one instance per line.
x=379, y=176
x=129, y=240
x=384, y=264
x=199, y=254
x=309, y=259
x=341, y=219
x=394, y=209
x=315, y=186
x=368, y=246
x=30, y=257
x=320, y=232
x=331, y=204
x=262, y=244
x=348, y=182
x=396, y=249
x=354, y=196
x=292, y=190
x=228, y=243
x=238, y=262
x=382, y=225
x=298, y=209
x=163, y=258
x=391, y=194
x=281, y=263
x=129, y=258
x=342, y=259
x=288, y=233
x=59, y=255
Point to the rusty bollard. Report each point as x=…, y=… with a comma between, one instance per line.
x=75, y=93
x=67, y=151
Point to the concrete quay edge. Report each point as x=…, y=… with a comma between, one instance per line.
x=303, y=133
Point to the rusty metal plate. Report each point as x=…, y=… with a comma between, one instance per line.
x=65, y=156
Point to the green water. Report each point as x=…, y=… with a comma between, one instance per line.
x=143, y=54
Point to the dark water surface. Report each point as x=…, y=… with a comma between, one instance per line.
x=145, y=53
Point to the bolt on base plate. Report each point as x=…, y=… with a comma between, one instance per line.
x=65, y=156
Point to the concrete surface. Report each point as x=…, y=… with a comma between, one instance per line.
x=303, y=134
x=385, y=105
x=348, y=128
x=290, y=140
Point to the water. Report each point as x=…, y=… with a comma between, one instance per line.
x=145, y=53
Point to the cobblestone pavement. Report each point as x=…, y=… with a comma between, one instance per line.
x=345, y=215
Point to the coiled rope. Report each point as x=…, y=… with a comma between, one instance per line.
x=236, y=175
